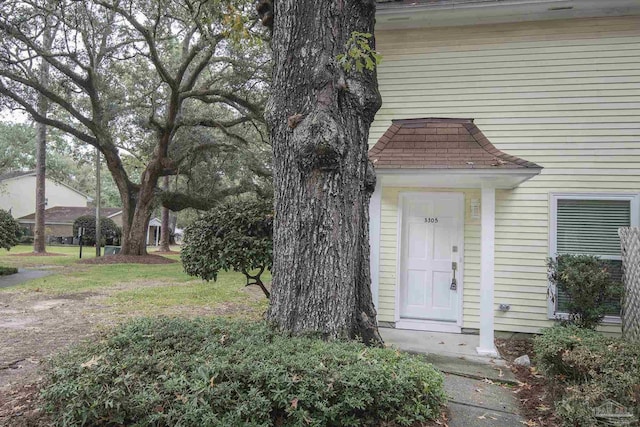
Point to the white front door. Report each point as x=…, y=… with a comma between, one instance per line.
x=431, y=247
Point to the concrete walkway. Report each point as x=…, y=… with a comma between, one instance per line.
x=480, y=389
x=22, y=276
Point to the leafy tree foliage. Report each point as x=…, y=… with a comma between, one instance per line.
x=109, y=230
x=233, y=236
x=159, y=80
x=10, y=231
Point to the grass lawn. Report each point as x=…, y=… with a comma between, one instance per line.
x=141, y=288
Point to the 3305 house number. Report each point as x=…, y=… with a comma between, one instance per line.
x=431, y=220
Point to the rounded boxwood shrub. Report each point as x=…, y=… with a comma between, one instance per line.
x=109, y=230
x=10, y=231
x=216, y=372
x=234, y=236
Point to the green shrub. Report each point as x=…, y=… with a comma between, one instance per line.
x=213, y=372
x=26, y=240
x=109, y=230
x=10, y=230
x=588, y=369
x=234, y=236
x=587, y=282
x=6, y=271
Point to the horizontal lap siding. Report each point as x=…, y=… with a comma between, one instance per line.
x=563, y=94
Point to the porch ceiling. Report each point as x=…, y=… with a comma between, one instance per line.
x=441, y=152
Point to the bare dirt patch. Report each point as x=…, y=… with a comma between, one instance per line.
x=129, y=259
x=167, y=252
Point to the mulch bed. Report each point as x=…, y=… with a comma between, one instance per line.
x=128, y=259
x=534, y=391
x=39, y=254
x=167, y=252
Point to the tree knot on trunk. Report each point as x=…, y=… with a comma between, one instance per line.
x=370, y=178
x=294, y=121
x=265, y=12
x=364, y=97
x=319, y=143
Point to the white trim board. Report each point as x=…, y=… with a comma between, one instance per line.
x=375, y=218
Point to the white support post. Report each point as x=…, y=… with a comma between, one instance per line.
x=374, y=240
x=487, y=264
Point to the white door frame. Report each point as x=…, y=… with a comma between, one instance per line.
x=429, y=325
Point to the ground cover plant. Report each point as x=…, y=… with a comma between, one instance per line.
x=586, y=369
x=167, y=372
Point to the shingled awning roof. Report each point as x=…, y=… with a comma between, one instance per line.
x=438, y=143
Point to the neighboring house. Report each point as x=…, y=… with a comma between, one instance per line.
x=59, y=220
x=509, y=132
x=18, y=194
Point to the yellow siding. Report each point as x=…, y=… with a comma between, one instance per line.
x=563, y=94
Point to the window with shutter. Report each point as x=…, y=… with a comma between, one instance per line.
x=584, y=225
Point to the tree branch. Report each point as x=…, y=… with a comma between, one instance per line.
x=47, y=121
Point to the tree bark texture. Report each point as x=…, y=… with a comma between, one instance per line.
x=319, y=118
x=165, y=231
x=39, y=235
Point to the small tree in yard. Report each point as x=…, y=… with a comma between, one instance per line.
x=588, y=284
x=9, y=230
x=108, y=229
x=234, y=236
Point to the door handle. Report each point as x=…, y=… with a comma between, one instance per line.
x=454, y=282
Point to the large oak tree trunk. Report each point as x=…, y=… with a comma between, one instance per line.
x=137, y=205
x=319, y=119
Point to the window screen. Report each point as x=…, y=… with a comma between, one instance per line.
x=591, y=227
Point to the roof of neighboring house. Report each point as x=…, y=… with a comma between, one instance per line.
x=438, y=143
x=68, y=214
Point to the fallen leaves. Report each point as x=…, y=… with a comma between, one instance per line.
x=91, y=362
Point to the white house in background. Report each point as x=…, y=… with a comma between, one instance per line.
x=18, y=194
x=509, y=132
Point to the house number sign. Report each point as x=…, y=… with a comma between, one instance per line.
x=431, y=220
